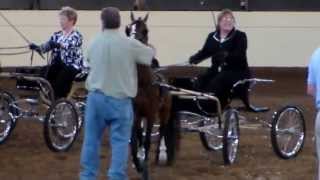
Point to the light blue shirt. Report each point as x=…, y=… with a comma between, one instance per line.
x=314, y=75
x=113, y=58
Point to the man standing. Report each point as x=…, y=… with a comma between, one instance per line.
x=112, y=83
x=314, y=90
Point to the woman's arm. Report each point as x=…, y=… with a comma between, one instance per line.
x=202, y=54
x=50, y=44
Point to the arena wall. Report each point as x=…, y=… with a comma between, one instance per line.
x=166, y=5
x=276, y=39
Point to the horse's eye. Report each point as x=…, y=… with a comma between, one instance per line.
x=145, y=32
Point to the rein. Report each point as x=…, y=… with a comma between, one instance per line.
x=22, y=50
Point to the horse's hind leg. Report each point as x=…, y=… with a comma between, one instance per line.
x=161, y=153
x=168, y=139
x=172, y=138
x=170, y=130
x=139, y=132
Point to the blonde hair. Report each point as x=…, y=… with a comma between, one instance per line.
x=225, y=12
x=70, y=13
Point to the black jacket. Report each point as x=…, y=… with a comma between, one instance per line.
x=229, y=55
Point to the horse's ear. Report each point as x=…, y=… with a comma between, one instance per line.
x=145, y=19
x=132, y=16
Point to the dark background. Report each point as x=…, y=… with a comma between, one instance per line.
x=166, y=5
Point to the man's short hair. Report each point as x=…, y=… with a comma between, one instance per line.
x=70, y=13
x=110, y=17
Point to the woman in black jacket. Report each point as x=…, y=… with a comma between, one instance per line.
x=227, y=48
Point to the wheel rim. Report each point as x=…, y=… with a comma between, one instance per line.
x=233, y=137
x=63, y=126
x=6, y=118
x=290, y=132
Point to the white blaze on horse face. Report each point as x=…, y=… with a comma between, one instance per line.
x=133, y=31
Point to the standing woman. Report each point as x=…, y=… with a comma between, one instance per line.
x=227, y=48
x=67, y=56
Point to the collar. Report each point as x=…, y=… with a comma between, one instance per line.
x=111, y=31
x=217, y=37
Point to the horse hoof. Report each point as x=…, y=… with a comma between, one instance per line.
x=163, y=158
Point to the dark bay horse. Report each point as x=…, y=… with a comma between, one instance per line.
x=152, y=105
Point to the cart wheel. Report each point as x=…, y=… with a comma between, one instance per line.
x=61, y=125
x=8, y=114
x=231, y=135
x=288, y=132
x=211, y=140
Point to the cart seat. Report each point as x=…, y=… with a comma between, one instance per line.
x=240, y=92
x=36, y=71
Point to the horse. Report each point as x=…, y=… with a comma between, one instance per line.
x=151, y=104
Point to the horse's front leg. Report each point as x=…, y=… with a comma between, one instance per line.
x=147, y=145
x=135, y=137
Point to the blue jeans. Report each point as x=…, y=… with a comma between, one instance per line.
x=101, y=112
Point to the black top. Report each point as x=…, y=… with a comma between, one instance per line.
x=231, y=54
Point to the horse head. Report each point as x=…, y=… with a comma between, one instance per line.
x=138, y=28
